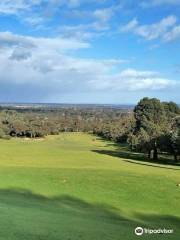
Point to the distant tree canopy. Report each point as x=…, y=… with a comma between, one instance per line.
x=156, y=128
x=111, y=123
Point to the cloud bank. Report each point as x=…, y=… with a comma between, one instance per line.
x=42, y=67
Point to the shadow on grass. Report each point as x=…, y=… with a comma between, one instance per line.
x=28, y=216
x=122, y=151
x=137, y=158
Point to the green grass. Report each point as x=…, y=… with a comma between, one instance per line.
x=77, y=187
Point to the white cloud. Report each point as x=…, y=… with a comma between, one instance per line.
x=8, y=39
x=130, y=26
x=133, y=80
x=13, y=7
x=155, y=3
x=77, y=3
x=104, y=14
x=97, y=25
x=173, y=34
x=39, y=18
x=84, y=31
x=38, y=15
x=43, y=67
x=151, y=31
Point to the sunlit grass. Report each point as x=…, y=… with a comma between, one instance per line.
x=71, y=187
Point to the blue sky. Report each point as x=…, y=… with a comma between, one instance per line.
x=89, y=51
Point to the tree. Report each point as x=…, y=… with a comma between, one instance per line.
x=175, y=138
x=151, y=123
x=171, y=109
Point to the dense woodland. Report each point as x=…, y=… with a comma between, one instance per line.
x=111, y=123
x=152, y=127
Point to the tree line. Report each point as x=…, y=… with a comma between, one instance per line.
x=33, y=123
x=153, y=126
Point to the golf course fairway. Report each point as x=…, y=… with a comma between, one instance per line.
x=74, y=187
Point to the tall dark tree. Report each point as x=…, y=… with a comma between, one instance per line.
x=151, y=123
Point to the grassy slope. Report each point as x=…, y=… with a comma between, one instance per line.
x=63, y=188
